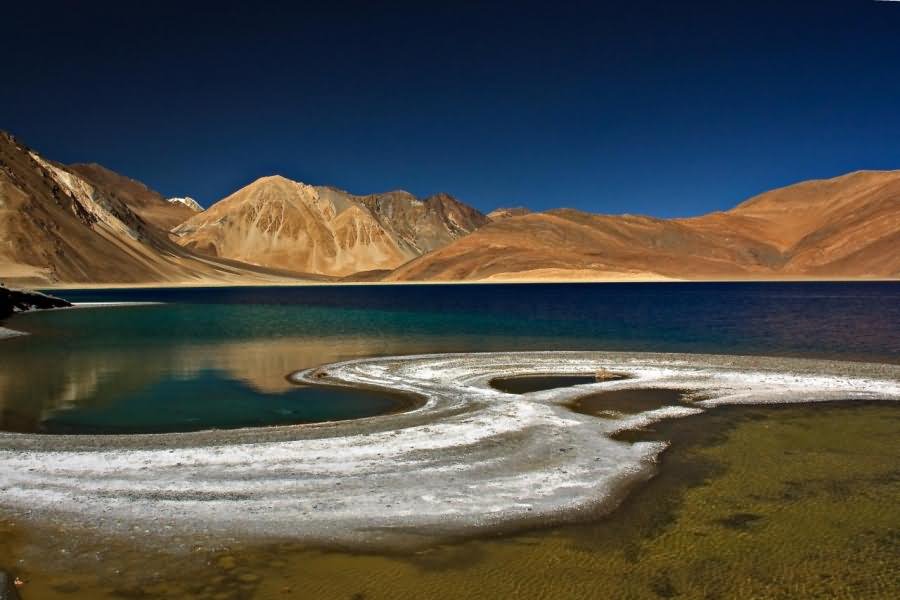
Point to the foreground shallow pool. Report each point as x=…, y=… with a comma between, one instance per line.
x=206, y=400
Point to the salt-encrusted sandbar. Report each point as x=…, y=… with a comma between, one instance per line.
x=10, y=333
x=113, y=304
x=470, y=459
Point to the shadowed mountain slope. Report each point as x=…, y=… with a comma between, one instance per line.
x=424, y=225
x=151, y=206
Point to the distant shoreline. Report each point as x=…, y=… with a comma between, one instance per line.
x=6, y=333
x=311, y=283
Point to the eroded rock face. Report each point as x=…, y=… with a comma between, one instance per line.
x=424, y=225
x=149, y=204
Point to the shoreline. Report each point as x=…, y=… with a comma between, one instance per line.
x=684, y=470
x=314, y=283
x=416, y=471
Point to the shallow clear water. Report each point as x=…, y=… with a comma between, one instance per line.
x=537, y=383
x=218, y=357
x=613, y=403
x=750, y=502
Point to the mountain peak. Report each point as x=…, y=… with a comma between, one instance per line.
x=271, y=180
x=187, y=201
x=281, y=183
x=443, y=197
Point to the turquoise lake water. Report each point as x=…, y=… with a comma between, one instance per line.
x=219, y=357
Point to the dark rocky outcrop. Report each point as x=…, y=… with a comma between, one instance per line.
x=13, y=301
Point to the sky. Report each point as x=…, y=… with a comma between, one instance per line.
x=662, y=108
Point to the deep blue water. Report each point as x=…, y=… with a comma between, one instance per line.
x=847, y=320
x=218, y=357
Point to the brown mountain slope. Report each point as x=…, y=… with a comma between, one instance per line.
x=842, y=227
x=277, y=222
x=85, y=224
x=148, y=204
x=571, y=244
x=424, y=225
x=56, y=227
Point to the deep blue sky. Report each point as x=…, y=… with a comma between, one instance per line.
x=665, y=108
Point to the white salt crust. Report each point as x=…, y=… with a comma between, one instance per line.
x=470, y=458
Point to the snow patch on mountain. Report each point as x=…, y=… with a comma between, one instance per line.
x=189, y=202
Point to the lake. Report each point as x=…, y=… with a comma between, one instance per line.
x=219, y=357
x=747, y=501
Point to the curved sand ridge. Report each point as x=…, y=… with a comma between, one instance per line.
x=469, y=459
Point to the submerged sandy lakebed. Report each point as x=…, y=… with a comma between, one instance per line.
x=468, y=459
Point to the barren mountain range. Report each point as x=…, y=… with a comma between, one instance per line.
x=276, y=222
x=85, y=224
x=59, y=227
x=844, y=227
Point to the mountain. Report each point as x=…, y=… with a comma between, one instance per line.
x=424, y=225
x=84, y=224
x=276, y=222
x=57, y=226
x=188, y=202
x=146, y=203
x=848, y=226
x=570, y=244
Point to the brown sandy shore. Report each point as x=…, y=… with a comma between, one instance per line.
x=505, y=279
